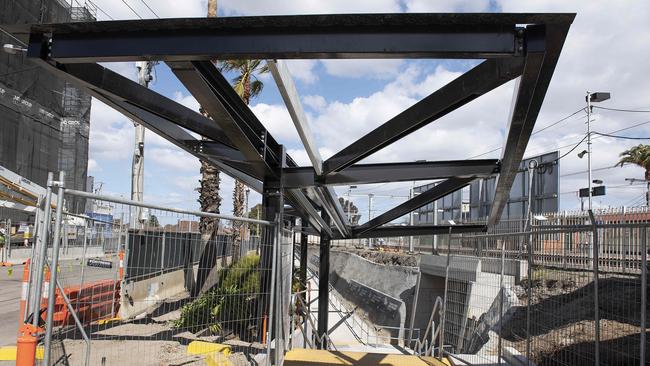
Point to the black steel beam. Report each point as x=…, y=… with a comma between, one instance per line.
x=218, y=98
x=419, y=230
x=438, y=191
x=117, y=86
x=544, y=44
x=164, y=123
x=302, y=273
x=301, y=177
x=481, y=79
x=455, y=36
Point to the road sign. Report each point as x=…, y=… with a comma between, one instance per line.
x=595, y=191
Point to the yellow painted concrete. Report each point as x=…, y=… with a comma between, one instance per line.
x=8, y=353
x=310, y=357
x=202, y=348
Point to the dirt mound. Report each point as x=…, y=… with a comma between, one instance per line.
x=562, y=319
x=388, y=258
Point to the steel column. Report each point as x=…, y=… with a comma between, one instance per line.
x=323, y=287
x=302, y=275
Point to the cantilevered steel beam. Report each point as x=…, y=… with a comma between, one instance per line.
x=479, y=36
x=301, y=177
x=291, y=99
x=544, y=44
x=117, y=86
x=481, y=79
x=165, y=124
x=218, y=98
x=301, y=203
x=419, y=230
x=438, y=191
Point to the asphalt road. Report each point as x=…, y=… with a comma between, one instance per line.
x=11, y=285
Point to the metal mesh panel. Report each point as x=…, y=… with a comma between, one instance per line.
x=165, y=293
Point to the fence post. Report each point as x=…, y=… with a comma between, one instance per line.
x=530, y=291
x=502, y=295
x=644, y=293
x=414, y=308
x=274, y=242
x=53, y=269
x=41, y=239
x=594, y=240
x=444, y=301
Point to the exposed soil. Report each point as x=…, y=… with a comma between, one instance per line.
x=562, y=319
x=388, y=258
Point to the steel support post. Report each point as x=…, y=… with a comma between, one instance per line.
x=441, y=347
x=644, y=294
x=595, y=263
x=323, y=287
x=303, y=260
x=56, y=241
x=41, y=240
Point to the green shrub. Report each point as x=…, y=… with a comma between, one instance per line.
x=231, y=302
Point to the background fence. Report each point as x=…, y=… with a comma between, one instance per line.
x=565, y=292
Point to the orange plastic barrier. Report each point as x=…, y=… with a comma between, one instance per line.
x=26, y=345
x=92, y=302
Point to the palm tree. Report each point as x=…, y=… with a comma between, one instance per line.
x=638, y=155
x=210, y=201
x=247, y=86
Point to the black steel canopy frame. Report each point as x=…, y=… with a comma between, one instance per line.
x=525, y=47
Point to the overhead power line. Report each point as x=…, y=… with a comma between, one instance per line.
x=623, y=110
x=535, y=132
x=148, y=7
x=621, y=137
x=133, y=10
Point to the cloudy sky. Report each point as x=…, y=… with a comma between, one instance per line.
x=606, y=50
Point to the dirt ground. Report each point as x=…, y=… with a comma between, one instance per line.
x=388, y=258
x=562, y=319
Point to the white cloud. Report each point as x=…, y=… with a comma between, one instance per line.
x=374, y=69
x=447, y=6
x=187, y=100
x=171, y=158
x=314, y=101
x=277, y=120
x=260, y=7
x=303, y=70
x=93, y=167
x=111, y=133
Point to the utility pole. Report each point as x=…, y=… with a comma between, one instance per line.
x=588, y=98
x=137, y=171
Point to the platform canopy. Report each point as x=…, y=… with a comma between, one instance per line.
x=525, y=47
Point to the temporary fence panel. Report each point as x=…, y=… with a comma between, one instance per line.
x=166, y=295
x=571, y=293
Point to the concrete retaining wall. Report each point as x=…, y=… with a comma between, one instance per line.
x=384, y=292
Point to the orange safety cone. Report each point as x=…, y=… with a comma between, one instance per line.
x=23, y=294
x=26, y=345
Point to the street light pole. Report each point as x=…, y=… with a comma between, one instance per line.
x=589, y=98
